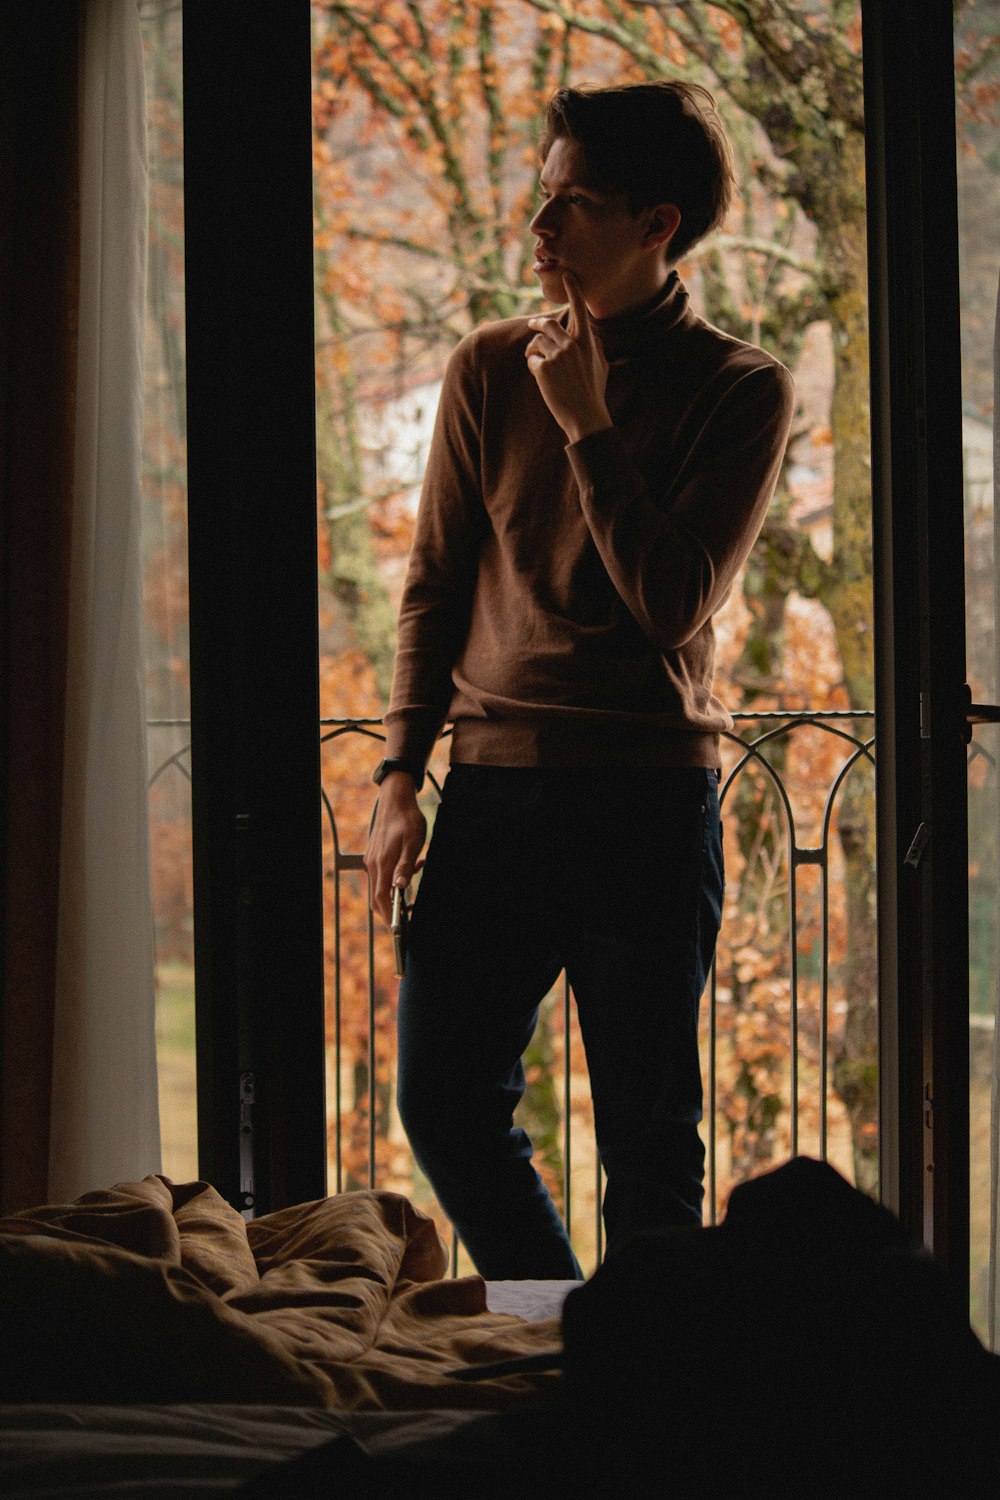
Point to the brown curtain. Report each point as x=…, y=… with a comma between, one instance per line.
x=39, y=281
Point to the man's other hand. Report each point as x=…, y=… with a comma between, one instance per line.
x=395, y=841
x=570, y=367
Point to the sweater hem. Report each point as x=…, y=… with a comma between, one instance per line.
x=475, y=742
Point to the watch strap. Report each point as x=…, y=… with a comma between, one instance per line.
x=398, y=763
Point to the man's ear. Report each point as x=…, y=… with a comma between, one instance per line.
x=664, y=221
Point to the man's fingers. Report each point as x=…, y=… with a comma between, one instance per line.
x=393, y=853
x=579, y=318
x=382, y=897
x=548, y=336
x=402, y=875
x=538, y=351
x=379, y=891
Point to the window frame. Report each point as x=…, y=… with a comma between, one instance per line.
x=253, y=581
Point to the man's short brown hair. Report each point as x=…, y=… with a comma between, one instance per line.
x=660, y=142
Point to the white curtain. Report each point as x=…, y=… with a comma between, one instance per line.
x=105, y=1124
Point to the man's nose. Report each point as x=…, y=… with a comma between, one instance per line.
x=543, y=223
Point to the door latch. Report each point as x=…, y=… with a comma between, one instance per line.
x=919, y=843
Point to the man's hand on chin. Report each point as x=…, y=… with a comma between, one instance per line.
x=570, y=368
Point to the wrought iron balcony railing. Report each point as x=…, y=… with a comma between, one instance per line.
x=786, y=777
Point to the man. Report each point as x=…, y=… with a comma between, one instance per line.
x=595, y=483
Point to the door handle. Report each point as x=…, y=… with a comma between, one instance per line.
x=978, y=713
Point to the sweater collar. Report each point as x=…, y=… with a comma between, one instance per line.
x=633, y=332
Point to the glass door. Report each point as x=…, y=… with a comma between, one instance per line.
x=977, y=89
x=424, y=180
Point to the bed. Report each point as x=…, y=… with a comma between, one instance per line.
x=154, y=1343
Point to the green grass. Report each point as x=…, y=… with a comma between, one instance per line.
x=175, y=1056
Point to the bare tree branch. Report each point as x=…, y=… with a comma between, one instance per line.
x=772, y=248
x=609, y=30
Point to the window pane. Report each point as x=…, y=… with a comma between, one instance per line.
x=165, y=576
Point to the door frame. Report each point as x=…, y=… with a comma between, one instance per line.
x=254, y=652
x=919, y=567
x=253, y=579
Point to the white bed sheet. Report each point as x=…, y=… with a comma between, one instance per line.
x=534, y=1300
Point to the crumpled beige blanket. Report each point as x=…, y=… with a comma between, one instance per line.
x=157, y=1291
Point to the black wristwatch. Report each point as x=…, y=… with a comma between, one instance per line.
x=409, y=766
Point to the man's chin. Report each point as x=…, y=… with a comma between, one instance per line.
x=552, y=286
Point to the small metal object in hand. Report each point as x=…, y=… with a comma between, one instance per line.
x=398, y=924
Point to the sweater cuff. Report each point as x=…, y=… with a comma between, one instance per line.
x=600, y=459
x=408, y=739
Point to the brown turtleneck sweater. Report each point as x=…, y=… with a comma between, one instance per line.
x=559, y=600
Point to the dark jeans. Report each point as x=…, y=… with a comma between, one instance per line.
x=617, y=876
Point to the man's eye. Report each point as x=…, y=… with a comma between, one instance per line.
x=577, y=199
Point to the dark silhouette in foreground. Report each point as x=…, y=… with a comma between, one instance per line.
x=803, y=1347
